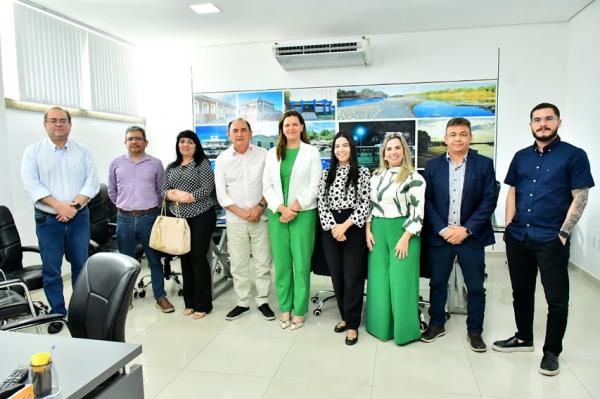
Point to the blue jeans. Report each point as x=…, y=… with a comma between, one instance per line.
x=132, y=230
x=472, y=265
x=56, y=239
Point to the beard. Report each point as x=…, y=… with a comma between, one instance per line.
x=544, y=139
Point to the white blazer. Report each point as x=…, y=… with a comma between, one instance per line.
x=304, y=182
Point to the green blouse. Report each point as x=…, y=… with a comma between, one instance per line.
x=285, y=171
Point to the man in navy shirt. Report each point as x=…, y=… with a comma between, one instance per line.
x=549, y=184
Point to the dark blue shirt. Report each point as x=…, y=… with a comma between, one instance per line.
x=543, y=182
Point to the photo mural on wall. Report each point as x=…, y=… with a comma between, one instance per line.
x=418, y=111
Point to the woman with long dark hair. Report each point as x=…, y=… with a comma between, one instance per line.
x=392, y=233
x=189, y=185
x=290, y=186
x=344, y=206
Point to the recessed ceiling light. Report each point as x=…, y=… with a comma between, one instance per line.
x=205, y=8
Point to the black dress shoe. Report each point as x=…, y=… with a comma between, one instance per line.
x=340, y=328
x=55, y=327
x=351, y=341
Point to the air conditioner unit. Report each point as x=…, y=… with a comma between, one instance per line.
x=322, y=53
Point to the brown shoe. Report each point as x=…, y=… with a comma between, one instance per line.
x=164, y=305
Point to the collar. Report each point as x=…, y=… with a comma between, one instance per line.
x=449, y=159
x=55, y=147
x=144, y=158
x=234, y=152
x=549, y=147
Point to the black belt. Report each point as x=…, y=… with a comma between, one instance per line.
x=139, y=212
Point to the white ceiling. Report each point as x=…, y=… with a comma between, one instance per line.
x=173, y=23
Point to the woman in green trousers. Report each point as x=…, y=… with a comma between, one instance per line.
x=397, y=198
x=290, y=187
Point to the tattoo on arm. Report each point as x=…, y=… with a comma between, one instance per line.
x=580, y=199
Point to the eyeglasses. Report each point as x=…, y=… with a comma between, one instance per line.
x=55, y=121
x=136, y=139
x=545, y=119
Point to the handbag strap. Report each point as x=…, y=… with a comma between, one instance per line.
x=163, y=208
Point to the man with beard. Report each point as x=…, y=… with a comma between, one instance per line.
x=549, y=184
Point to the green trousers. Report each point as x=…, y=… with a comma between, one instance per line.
x=292, y=245
x=393, y=284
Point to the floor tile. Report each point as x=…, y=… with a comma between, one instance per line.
x=244, y=355
x=201, y=385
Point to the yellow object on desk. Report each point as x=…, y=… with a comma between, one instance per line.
x=24, y=393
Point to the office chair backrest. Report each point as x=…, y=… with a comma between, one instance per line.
x=99, y=218
x=101, y=297
x=11, y=253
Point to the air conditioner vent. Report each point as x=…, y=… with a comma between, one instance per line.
x=322, y=54
x=317, y=48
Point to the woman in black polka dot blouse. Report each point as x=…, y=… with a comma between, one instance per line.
x=344, y=205
x=190, y=181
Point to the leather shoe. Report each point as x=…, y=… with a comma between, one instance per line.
x=339, y=327
x=55, y=327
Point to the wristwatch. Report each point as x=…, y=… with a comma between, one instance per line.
x=564, y=234
x=76, y=205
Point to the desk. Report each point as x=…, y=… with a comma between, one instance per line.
x=81, y=364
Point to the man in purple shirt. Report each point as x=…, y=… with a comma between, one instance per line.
x=134, y=182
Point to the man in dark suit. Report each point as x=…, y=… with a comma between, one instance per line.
x=459, y=201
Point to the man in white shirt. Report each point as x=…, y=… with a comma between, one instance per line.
x=238, y=178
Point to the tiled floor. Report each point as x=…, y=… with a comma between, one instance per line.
x=253, y=358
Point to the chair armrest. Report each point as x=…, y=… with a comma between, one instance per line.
x=112, y=228
x=94, y=245
x=11, y=282
x=35, y=321
x=31, y=248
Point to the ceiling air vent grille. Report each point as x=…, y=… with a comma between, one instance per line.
x=324, y=53
x=325, y=48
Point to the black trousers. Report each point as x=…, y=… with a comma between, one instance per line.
x=552, y=259
x=347, y=261
x=195, y=269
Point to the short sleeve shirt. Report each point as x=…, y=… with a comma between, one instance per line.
x=543, y=182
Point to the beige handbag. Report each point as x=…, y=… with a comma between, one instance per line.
x=170, y=235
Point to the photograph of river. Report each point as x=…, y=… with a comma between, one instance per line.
x=422, y=100
x=431, y=138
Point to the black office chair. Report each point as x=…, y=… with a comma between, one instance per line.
x=15, y=277
x=103, y=225
x=100, y=301
x=14, y=305
x=11, y=253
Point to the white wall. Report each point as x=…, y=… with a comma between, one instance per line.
x=580, y=124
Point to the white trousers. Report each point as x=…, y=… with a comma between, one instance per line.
x=243, y=240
